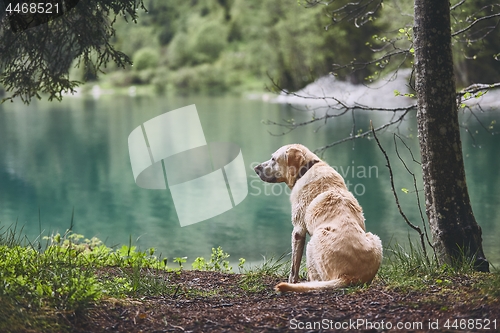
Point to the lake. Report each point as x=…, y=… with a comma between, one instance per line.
x=60, y=156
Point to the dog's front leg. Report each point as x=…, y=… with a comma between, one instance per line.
x=298, y=241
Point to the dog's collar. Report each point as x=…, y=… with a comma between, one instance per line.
x=305, y=168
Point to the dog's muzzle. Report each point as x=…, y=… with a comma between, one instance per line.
x=260, y=171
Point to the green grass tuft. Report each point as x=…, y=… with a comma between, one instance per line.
x=254, y=278
x=407, y=268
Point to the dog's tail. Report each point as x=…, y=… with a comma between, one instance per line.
x=311, y=286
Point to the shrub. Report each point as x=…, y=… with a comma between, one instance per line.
x=121, y=78
x=145, y=58
x=209, y=41
x=178, y=53
x=204, y=78
x=161, y=80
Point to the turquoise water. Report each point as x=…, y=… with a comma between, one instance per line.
x=56, y=157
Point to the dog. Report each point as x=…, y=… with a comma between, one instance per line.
x=340, y=252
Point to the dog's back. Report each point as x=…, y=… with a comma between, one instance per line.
x=340, y=252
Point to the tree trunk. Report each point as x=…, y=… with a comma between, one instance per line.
x=456, y=234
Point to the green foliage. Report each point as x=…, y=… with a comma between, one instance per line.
x=474, y=48
x=133, y=37
x=468, y=96
x=398, y=93
x=37, y=59
x=145, y=58
x=203, y=78
x=201, y=41
x=241, y=264
x=63, y=276
x=94, y=251
x=217, y=262
x=180, y=261
x=53, y=278
x=178, y=51
x=219, y=46
x=208, y=42
x=199, y=264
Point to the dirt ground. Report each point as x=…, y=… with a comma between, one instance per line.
x=221, y=305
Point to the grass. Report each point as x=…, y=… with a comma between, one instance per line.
x=62, y=278
x=407, y=269
x=254, y=278
x=39, y=285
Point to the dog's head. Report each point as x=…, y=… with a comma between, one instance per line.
x=287, y=164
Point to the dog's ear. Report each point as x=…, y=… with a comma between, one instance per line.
x=295, y=160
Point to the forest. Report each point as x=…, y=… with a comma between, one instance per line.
x=216, y=46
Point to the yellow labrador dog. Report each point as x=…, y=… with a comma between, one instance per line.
x=340, y=252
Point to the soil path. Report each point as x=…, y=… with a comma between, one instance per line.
x=221, y=305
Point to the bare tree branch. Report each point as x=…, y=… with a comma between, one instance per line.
x=455, y=6
x=396, y=198
x=477, y=87
x=321, y=150
x=419, y=205
x=484, y=18
x=360, y=12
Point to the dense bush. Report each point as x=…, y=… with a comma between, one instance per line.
x=203, y=78
x=208, y=42
x=179, y=54
x=145, y=58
